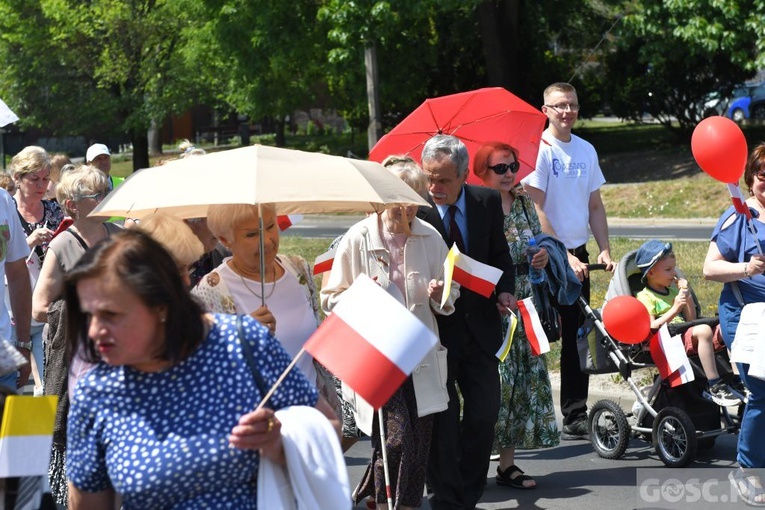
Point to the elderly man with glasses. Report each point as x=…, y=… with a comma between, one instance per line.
x=565, y=187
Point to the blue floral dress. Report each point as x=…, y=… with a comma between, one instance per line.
x=161, y=439
x=527, y=411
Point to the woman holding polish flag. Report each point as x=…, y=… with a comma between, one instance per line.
x=404, y=255
x=527, y=413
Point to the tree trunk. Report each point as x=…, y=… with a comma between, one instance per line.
x=140, y=141
x=374, y=131
x=498, y=22
x=281, y=140
x=155, y=143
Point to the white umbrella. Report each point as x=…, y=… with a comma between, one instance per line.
x=294, y=181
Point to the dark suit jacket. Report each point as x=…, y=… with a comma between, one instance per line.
x=487, y=244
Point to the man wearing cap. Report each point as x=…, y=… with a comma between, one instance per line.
x=99, y=156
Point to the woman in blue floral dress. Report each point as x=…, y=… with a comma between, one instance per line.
x=527, y=413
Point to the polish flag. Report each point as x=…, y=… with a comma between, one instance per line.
x=668, y=353
x=534, y=330
x=471, y=274
x=323, y=262
x=26, y=435
x=287, y=220
x=739, y=202
x=372, y=357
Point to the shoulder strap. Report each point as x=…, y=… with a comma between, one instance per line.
x=737, y=293
x=79, y=239
x=249, y=357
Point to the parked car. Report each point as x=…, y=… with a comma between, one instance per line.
x=740, y=104
x=757, y=105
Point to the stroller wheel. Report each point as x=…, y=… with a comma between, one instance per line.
x=609, y=429
x=674, y=437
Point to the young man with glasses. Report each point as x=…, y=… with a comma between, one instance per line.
x=565, y=187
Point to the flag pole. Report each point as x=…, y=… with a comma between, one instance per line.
x=380, y=421
x=280, y=379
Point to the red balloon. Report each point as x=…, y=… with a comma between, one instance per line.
x=719, y=147
x=626, y=319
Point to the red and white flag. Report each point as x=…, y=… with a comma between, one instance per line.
x=372, y=357
x=323, y=262
x=479, y=277
x=739, y=202
x=533, y=327
x=287, y=220
x=668, y=353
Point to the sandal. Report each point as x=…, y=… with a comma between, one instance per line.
x=749, y=487
x=506, y=478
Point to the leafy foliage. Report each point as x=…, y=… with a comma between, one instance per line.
x=669, y=55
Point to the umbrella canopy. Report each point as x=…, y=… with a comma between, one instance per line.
x=295, y=181
x=476, y=117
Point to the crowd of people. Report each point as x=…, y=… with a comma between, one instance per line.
x=162, y=336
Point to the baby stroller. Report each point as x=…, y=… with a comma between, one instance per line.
x=677, y=421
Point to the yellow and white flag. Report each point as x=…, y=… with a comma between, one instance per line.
x=26, y=435
x=504, y=350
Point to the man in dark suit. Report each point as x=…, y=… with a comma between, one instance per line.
x=471, y=217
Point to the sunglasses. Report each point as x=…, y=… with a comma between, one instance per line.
x=97, y=196
x=760, y=175
x=502, y=168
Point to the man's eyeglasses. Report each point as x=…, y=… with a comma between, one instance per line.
x=96, y=196
x=564, y=107
x=502, y=168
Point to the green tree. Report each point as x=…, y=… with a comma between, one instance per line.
x=98, y=68
x=267, y=56
x=667, y=56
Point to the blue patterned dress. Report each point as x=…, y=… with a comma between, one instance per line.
x=161, y=439
x=527, y=412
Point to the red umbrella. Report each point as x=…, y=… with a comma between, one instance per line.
x=475, y=117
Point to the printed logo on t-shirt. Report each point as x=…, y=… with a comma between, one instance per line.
x=5, y=236
x=569, y=170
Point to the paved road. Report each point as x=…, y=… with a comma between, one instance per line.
x=573, y=477
x=326, y=226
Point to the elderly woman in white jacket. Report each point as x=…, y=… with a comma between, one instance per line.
x=404, y=255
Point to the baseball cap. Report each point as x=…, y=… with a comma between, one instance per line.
x=96, y=150
x=649, y=253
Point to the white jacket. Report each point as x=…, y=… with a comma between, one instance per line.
x=316, y=476
x=424, y=255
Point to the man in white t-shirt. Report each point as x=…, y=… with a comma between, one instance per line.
x=565, y=186
x=13, y=267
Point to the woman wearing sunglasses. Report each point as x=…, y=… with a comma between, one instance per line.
x=79, y=192
x=527, y=413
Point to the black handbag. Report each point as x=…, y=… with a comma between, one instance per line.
x=548, y=313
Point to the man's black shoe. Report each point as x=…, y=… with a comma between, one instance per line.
x=575, y=430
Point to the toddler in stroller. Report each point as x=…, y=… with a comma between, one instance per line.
x=676, y=420
x=667, y=298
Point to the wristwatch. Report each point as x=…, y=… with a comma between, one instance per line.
x=23, y=345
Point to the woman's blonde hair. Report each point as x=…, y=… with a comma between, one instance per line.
x=406, y=169
x=222, y=218
x=81, y=181
x=30, y=160
x=57, y=162
x=175, y=236
x=186, y=149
